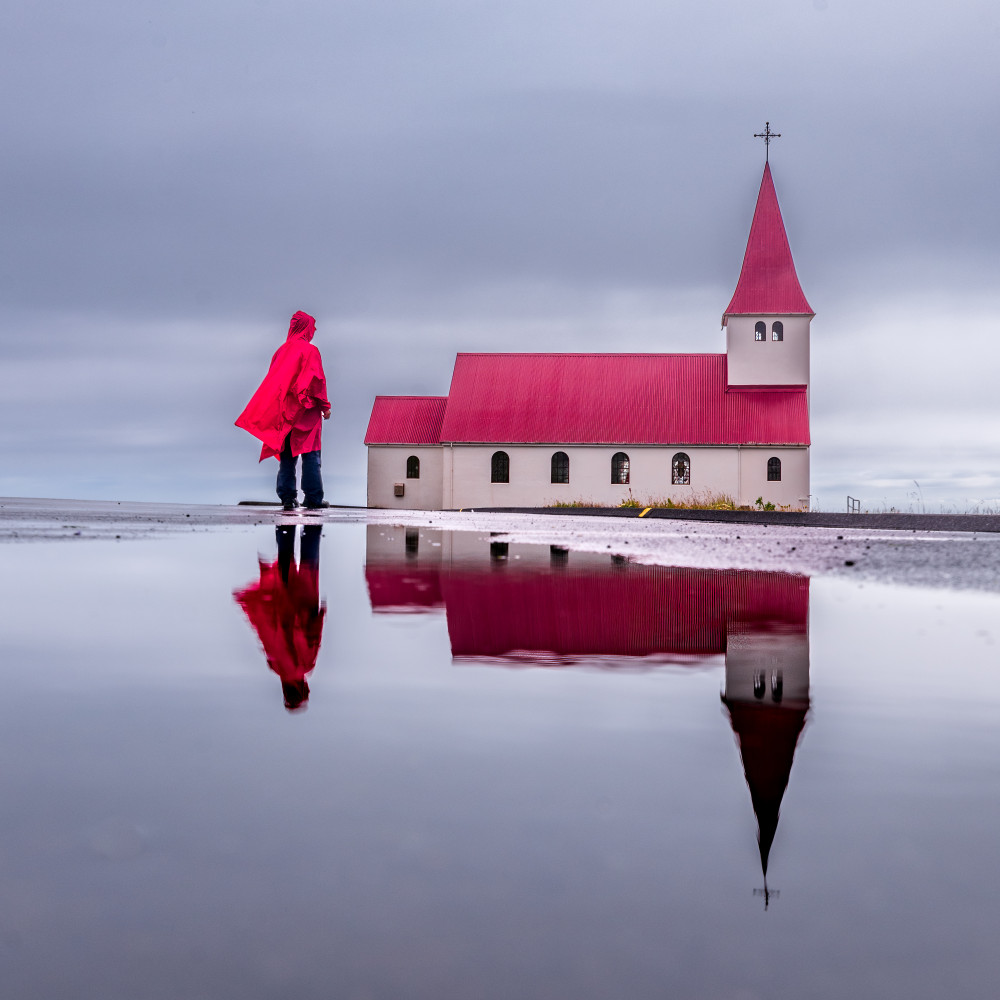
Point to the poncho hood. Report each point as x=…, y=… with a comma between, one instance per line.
x=302, y=327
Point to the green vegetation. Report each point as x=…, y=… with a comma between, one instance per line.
x=697, y=501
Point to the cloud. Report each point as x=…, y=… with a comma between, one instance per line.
x=429, y=177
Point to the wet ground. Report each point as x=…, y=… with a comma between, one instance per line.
x=364, y=755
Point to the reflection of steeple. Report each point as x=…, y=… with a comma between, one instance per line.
x=767, y=737
x=767, y=697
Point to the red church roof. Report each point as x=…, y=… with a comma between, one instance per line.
x=614, y=399
x=768, y=283
x=406, y=420
x=628, y=610
x=565, y=613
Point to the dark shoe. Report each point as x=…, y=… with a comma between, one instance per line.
x=289, y=504
x=316, y=506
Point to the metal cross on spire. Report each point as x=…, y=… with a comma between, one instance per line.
x=767, y=135
x=765, y=892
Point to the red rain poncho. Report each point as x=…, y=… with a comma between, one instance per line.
x=292, y=397
x=287, y=616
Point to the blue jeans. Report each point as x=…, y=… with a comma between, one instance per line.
x=312, y=479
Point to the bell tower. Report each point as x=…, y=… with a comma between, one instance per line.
x=767, y=320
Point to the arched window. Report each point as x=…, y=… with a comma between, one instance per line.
x=500, y=467
x=680, y=470
x=777, y=330
x=619, y=469
x=560, y=467
x=774, y=470
x=760, y=330
x=413, y=467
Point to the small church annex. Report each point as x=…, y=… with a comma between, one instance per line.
x=532, y=430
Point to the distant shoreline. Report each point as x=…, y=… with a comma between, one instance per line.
x=785, y=518
x=133, y=514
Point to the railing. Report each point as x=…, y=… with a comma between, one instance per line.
x=853, y=506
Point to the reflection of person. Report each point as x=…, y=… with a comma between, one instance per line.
x=287, y=411
x=285, y=610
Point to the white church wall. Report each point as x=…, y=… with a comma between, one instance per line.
x=459, y=476
x=387, y=466
x=769, y=361
x=713, y=470
x=792, y=491
x=390, y=543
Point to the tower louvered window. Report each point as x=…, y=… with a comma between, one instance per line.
x=760, y=331
x=777, y=330
x=500, y=467
x=560, y=467
x=620, y=469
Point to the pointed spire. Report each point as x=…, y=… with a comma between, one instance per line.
x=767, y=737
x=768, y=283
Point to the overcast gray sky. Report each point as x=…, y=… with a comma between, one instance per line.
x=427, y=177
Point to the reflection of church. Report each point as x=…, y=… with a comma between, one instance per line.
x=533, y=604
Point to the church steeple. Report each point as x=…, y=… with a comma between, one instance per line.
x=767, y=738
x=768, y=283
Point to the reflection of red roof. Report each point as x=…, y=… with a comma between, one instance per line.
x=768, y=283
x=626, y=610
x=403, y=588
x=406, y=420
x=614, y=399
x=622, y=611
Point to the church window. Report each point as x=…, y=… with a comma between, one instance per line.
x=619, y=469
x=560, y=467
x=680, y=470
x=500, y=467
x=760, y=331
x=777, y=330
x=774, y=470
x=412, y=543
x=413, y=467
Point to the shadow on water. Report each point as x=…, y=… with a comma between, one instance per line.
x=531, y=605
x=286, y=612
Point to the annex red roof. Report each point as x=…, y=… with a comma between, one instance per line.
x=406, y=420
x=768, y=283
x=404, y=589
x=623, y=399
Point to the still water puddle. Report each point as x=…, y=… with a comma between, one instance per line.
x=398, y=762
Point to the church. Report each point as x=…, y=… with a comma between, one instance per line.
x=521, y=604
x=536, y=430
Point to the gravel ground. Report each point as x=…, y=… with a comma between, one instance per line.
x=928, y=558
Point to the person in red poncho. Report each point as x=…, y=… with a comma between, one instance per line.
x=287, y=412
